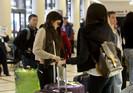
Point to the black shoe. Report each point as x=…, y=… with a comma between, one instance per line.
x=7, y=74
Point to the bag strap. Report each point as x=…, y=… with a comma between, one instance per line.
x=28, y=33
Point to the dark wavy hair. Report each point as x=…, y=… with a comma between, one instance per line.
x=53, y=16
x=96, y=12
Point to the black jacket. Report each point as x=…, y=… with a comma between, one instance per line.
x=127, y=33
x=91, y=36
x=2, y=44
x=22, y=43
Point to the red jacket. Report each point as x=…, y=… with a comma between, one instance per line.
x=66, y=46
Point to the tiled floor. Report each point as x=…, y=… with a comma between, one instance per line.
x=7, y=83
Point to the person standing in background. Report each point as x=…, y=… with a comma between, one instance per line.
x=118, y=78
x=72, y=39
x=26, y=46
x=3, y=53
x=82, y=23
x=67, y=27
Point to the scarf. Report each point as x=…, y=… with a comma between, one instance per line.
x=50, y=37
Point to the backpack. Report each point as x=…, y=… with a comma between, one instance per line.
x=109, y=63
x=19, y=52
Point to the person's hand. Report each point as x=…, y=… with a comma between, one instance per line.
x=57, y=58
x=60, y=63
x=5, y=33
x=29, y=50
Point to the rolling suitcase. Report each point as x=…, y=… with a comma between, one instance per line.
x=62, y=87
x=71, y=87
x=26, y=80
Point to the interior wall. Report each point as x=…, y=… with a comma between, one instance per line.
x=121, y=8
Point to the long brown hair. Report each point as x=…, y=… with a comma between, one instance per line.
x=96, y=12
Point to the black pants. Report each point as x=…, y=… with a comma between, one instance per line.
x=72, y=44
x=100, y=84
x=3, y=61
x=45, y=75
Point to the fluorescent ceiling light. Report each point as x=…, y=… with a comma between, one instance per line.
x=131, y=2
x=97, y=1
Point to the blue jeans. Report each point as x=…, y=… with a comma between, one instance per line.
x=129, y=56
x=117, y=83
x=29, y=62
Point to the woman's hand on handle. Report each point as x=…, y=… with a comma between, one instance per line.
x=57, y=58
x=60, y=63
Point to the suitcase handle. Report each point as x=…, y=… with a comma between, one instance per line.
x=64, y=75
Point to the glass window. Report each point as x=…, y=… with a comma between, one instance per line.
x=49, y=4
x=13, y=4
x=28, y=9
x=81, y=9
x=21, y=9
x=68, y=9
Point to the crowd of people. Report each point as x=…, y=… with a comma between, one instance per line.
x=55, y=40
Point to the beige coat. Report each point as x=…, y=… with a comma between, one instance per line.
x=39, y=46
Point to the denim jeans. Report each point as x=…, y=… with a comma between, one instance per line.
x=129, y=55
x=117, y=83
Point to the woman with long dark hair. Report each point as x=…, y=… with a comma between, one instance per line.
x=95, y=32
x=47, y=47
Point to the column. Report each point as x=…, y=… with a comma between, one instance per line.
x=61, y=5
x=5, y=15
x=75, y=16
x=86, y=4
x=38, y=8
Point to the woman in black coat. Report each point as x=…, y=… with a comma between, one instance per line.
x=95, y=32
x=3, y=53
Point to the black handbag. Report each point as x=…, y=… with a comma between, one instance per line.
x=109, y=63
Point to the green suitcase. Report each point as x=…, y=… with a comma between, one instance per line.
x=26, y=80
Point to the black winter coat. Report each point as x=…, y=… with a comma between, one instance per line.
x=23, y=44
x=91, y=37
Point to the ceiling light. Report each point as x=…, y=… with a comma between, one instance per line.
x=96, y=1
x=131, y=2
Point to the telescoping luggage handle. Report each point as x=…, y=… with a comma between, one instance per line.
x=54, y=74
x=58, y=76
